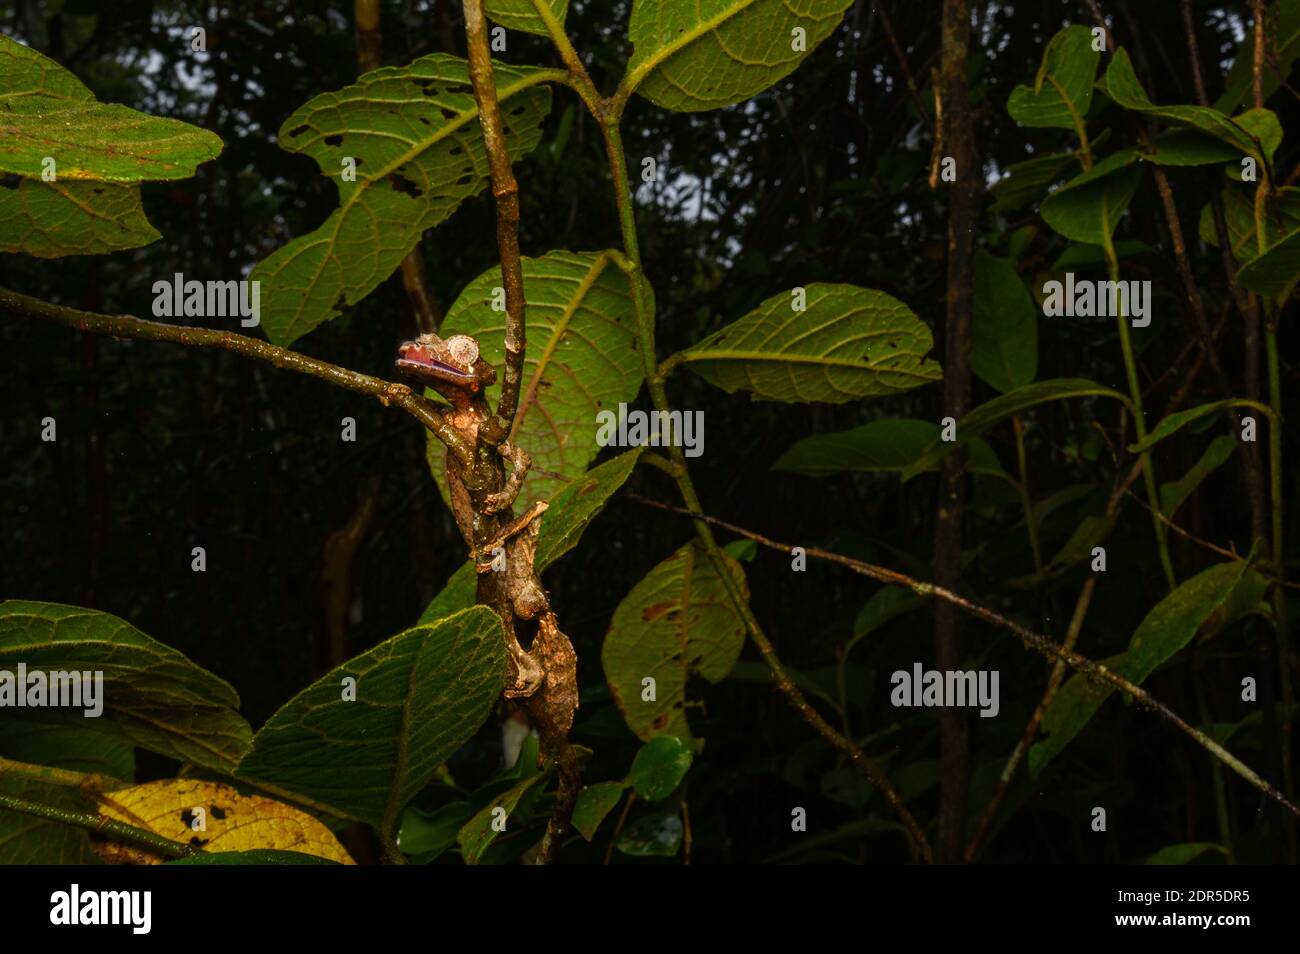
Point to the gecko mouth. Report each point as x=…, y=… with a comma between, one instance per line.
x=429, y=364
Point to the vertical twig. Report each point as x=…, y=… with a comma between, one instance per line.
x=964, y=208
x=505, y=190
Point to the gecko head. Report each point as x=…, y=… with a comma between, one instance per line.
x=451, y=363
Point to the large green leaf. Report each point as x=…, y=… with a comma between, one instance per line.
x=1062, y=90
x=413, y=132
x=1004, y=326
x=1208, y=601
x=419, y=695
x=888, y=445
x=29, y=840
x=71, y=217
x=692, y=55
x=1252, y=138
x=677, y=622
x=1088, y=207
x=527, y=15
x=978, y=421
x=847, y=343
x=581, y=360
x=571, y=510
x=1283, y=18
x=48, y=112
x=160, y=699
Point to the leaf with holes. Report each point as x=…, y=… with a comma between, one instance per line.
x=46, y=112
x=160, y=699
x=582, y=359
x=418, y=696
x=847, y=343
x=692, y=55
x=71, y=217
x=413, y=134
x=217, y=818
x=529, y=16
x=1062, y=90
x=676, y=623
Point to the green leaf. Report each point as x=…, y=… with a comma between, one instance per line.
x=1184, y=853
x=660, y=767
x=1088, y=207
x=578, y=503
x=1282, y=219
x=888, y=445
x=594, y=803
x=582, y=359
x=414, y=134
x=160, y=699
x=1276, y=272
x=848, y=343
x=657, y=835
x=1187, y=147
x=1062, y=90
x=692, y=55
x=1027, y=182
x=1283, y=26
x=571, y=510
x=526, y=15
x=1123, y=86
x=66, y=739
x=48, y=112
x=1175, y=493
x=478, y=833
x=419, y=695
x=29, y=840
x=885, y=604
x=256, y=856
x=429, y=834
x=993, y=412
x=1077, y=256
x=677, y=622
x=1206, y=602
x=71, y=217
x=1175, y=422
x=1004, y=329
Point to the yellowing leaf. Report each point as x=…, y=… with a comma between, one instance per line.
x=215, y=817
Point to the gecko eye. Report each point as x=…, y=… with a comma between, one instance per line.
x=464, y=349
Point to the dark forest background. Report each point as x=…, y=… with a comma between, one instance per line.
x=821, y=179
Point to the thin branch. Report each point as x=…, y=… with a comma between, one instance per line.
x=506, y=192
x=1035, y=641
x=125, y=326
x=99, y=825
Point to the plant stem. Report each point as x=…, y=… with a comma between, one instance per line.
x=505, y=190
x=1025, y=501
x=124, y=326
x=99, y=825
x=1139, y=420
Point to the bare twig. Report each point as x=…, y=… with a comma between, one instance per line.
x=1035, y=641
x=506, y=192
x=125, y=326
